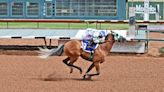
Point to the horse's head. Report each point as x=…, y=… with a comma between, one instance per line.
x=110, y=37
x=113, y=36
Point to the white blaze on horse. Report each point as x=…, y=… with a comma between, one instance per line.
x=72, y=49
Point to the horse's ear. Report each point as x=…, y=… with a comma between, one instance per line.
x=112, y=32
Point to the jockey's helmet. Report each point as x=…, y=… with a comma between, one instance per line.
x=89, y=31
x=102, y=33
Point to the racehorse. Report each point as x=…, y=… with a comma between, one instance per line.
x=72, y=49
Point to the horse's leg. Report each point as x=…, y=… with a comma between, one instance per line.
x=89, y=69
x=71, y=64
x=97, y=66
x=72, y=61
x=65, y=61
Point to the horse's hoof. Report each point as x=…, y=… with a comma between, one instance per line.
x=84, y=76
x=71, y=70
x=87, y=77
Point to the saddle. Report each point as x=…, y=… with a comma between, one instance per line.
x=88, y=46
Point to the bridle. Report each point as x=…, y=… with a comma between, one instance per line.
x=106, y=38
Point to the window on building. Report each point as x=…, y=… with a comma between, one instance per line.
x=32, y=9
x=105, y=8
x=17, y=9
x=86, y=7
x=49, y=9
x=63, y=7
x=3, y=9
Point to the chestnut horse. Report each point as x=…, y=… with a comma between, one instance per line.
x=72, y=49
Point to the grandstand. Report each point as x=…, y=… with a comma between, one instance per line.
x=63, y=9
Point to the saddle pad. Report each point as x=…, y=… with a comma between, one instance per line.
x=86, y=48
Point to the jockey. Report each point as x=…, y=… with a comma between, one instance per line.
x=94, y=36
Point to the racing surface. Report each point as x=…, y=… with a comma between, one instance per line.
x=119, y=73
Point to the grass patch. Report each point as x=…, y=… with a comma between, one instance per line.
x=63, y=25
x=3, y=25
x=22, y=25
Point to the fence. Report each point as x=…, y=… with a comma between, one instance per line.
x=136, y=44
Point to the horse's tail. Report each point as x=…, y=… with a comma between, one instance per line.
x=45, y=52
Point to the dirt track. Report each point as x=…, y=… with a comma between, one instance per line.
x=119, y=73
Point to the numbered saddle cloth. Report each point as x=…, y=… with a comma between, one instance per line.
x=86, y=47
